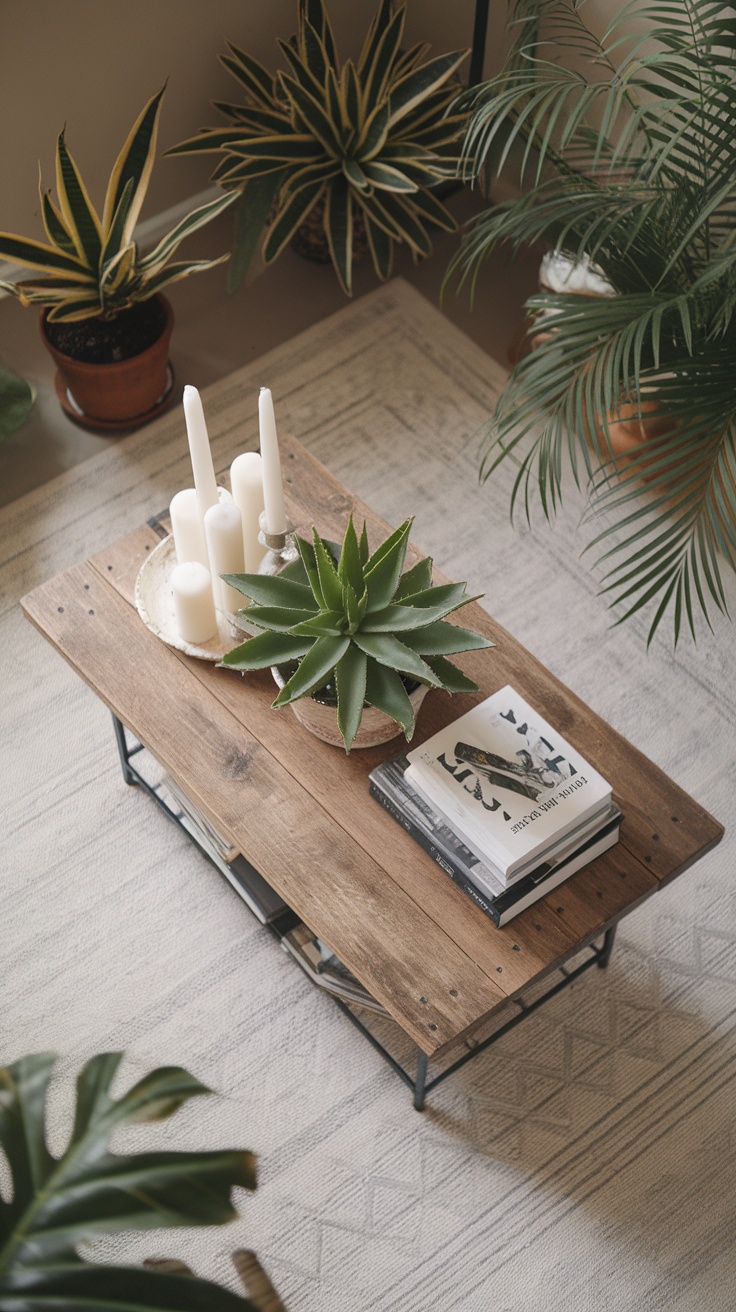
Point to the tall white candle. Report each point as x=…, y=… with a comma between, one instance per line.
x=273, y=492
x=193, y=603
x=199, y=450
x=246, y=481
x=223, y=526
x=187, y=528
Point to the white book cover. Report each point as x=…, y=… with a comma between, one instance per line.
x=509, y=781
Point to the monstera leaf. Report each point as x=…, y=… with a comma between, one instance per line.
x=58, y=1201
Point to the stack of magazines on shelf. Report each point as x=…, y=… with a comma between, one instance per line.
x=502, y=803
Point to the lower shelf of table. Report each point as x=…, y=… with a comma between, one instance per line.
x=141, y=770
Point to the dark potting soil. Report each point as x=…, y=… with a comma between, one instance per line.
x=108, y=341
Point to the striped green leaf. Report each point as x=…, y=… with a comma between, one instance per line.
x=134, y=161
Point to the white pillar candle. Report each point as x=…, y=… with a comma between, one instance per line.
x=273, y=492
x=194, y=607
x=199, y=450
x=187, y=528
x=246, y=481
x=223, y=527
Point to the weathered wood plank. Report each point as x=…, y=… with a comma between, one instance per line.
x=329, y=880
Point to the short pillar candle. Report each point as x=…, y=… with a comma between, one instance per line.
x=194, y=606
x=186, y=527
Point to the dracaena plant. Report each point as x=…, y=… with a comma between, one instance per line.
x=627, y=150
x=356, y=620
x=57, y=1202
x=90, y=265
x=366, y=140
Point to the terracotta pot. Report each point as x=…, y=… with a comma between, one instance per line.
x=321, y=719
x=628, y=428
x=119, y=393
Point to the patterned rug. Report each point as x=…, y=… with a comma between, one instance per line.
x=586, y=1160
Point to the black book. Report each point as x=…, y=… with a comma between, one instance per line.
x=430, y=830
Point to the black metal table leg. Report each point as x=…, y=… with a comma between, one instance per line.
x=604, y=952
x=420, y=1082
x=123, y=753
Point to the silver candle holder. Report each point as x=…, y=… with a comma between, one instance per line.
x=280, y=547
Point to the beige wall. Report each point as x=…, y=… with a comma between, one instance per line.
x=92, y=64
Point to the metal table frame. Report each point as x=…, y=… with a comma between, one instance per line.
x=419, y=1084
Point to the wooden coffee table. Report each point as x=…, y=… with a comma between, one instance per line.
x=301, y=813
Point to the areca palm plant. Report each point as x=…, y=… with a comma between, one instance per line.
x=627, y=151
x=361, y=143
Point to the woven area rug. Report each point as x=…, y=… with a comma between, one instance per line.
x=588, y=1159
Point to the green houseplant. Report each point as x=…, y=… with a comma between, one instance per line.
x=57, y=1202
x=103, y=307
x=627, y=152
x=353, y=621
x=357, y=145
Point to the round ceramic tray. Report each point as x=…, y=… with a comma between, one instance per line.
x=154, y=602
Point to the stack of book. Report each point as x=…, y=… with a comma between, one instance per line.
x=502, y=803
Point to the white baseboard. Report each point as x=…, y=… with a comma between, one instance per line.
x=147, y=233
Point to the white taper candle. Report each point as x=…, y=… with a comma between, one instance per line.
x=193, y=603
x=223, y=527
x=246, y=481
x=273, y=492
x=187, y=528
x=199, y=450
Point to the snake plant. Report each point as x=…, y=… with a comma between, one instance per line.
x=366, y=140
x=58, y=1202
x=627, y=148
x=355, y=618
x=91, y=266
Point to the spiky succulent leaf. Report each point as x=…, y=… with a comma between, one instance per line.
x=385, y=690
x=402, y=619
x=415, y=580
x=453, y=679
x=350, y=679
x=279, y=619
x=314, y=668
x=383, y=569
x=266, y=649
x=350, y=569
x=329, y=579
x=328, y=623
x=273, y=590
x=388, y=650
x=442, y=639
x=309, y=561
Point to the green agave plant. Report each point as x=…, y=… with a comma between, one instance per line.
x=366, y=140
x=59, y=1201
x=628, y=157
x=358, y=620
x=91, y=265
